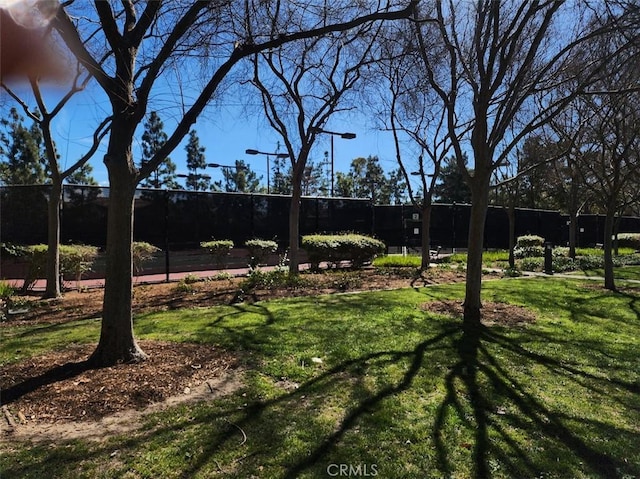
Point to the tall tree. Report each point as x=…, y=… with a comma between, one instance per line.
x=495, y=74
x=82, y=176
x=154, y=138
x=43, y=118
x=367, y=179
x=22, y=159
x=196, y=160
x=451, y=186
x=301, y=87
x=141, y=40
x=240, y=178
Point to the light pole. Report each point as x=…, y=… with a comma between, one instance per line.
x=346, y=136
x=277, y=155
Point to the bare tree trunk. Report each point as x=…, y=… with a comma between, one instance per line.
x=294, y=228
x=53, y=241
x=117, y=341
x=475, y=244
x=426, y=237
x=609, y=281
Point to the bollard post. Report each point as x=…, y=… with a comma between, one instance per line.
x=548, y=257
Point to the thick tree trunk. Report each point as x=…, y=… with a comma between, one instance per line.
x=294, y=228
x=478, y=215
x=426, y=237
x=53, y=241
x=609, y=281
x=117, y=343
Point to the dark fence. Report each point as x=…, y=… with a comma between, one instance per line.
x=180, y=220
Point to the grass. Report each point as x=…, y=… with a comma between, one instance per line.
x=400, y=391
x=622, y=273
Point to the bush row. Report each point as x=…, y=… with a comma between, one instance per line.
x=75, y=260
x=358, y=249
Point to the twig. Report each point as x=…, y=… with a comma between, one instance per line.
x=244, y=436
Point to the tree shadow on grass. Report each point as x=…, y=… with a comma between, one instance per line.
x=480, y=381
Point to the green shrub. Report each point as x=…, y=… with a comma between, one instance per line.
x=359, y=249
x=531, y=264
x=529, y=240
x=6, y=290
x=220, y=249
x=75, y=260
x=142, y=252
x=529, y=246
x=561, y=264
x=589, y=262
x=259, y=251
x=629, y=240
x=274, y=279
x=528, y=252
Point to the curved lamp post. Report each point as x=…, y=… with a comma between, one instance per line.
x=345, y=136
x=277, y=155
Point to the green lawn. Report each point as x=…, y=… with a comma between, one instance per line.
x=625, y=272
x=400, y=392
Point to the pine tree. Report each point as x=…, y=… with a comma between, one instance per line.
x=452, y=187
x=153, y=139
x=196, y=161
x=241, y=178
x=22, y=159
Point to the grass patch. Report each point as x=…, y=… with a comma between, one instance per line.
x=622, y=273
x=398, y=261
x=398, y=388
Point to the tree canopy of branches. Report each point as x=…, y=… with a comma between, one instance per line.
x=128, y=47
x=301, y=87
x=496, y=73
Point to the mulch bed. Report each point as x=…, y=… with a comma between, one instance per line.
x=59, y=386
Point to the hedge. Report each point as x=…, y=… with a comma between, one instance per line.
x=219, y=249
x=359, y=249
x=259, y=250
x=75, y=260
x=629, y=240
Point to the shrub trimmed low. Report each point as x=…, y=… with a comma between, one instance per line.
x=529, y=246
x=75, y=260
x=359, y=249
x=142, y=251
x=220, y=249
x=629, y=240
x=259, y=250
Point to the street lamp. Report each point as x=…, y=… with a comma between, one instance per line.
x=345, y=136
x=195, y=176
x=277, y=155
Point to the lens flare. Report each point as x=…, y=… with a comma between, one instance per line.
x=31, y=13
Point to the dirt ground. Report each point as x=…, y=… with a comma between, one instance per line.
x=57, y=395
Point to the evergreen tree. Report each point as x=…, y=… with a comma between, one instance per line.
x=153, y=139
x=82, y=176
x=22, y=159
x=452, y=187
x=241, y=178
x=196, y=161
x=366, y=179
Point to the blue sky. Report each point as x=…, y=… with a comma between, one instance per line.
x=225, y=130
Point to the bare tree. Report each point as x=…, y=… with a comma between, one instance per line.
x=43, y=117
x=142, y=41
x=301, y=87
x=410, y=112
x=499, y=64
